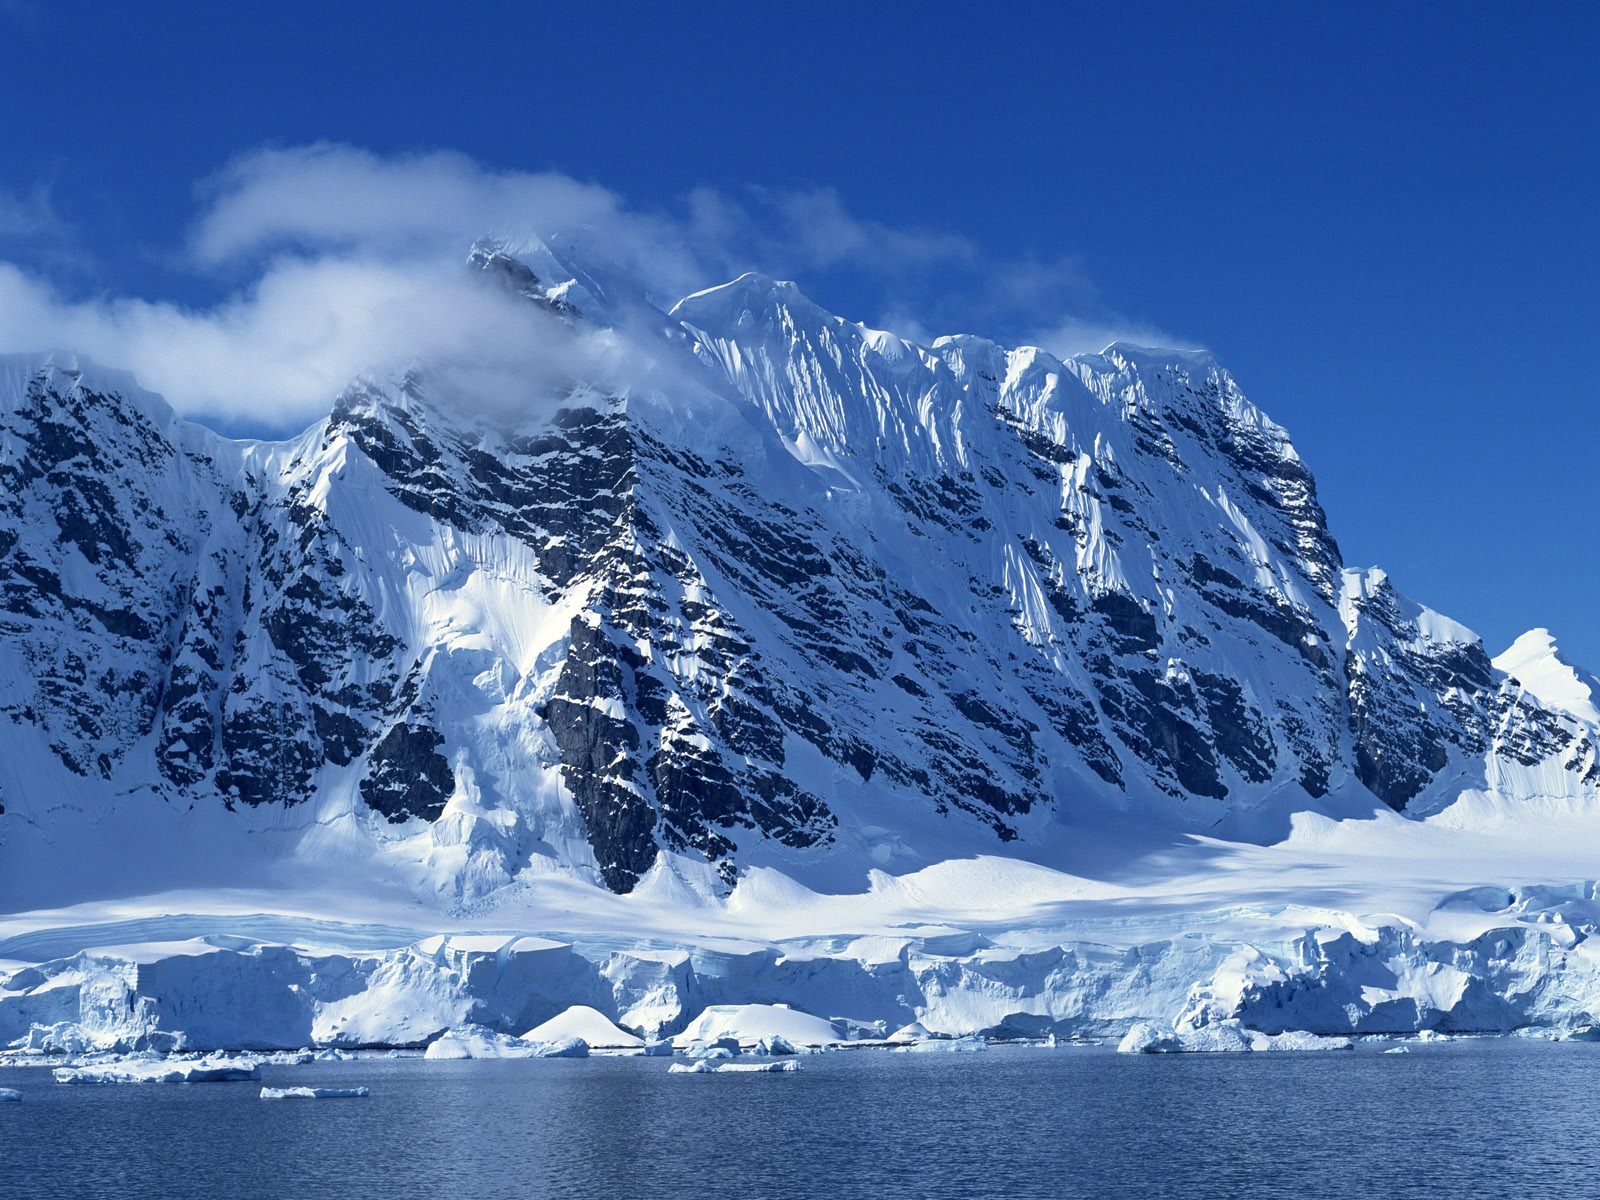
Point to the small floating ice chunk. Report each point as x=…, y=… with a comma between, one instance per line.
x=1398, y=1050
x=1223, y=1037
x=1146, y=1038
x=468, y=1042
x=1298, y=1039
x=709, y=1052
x=288, y=1058
x=570, y=1047
x=448, y=1046
x=9, y=1094
x=160, y=1071
x=774, y=1046
x=706, y=1066
x=961, y=1045
x=314, y=1093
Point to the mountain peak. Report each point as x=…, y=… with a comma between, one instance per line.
x=1538, y=663
x=1136, y=352
x=66, y=371
x=739, y=299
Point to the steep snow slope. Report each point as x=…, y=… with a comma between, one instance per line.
x=791, y=594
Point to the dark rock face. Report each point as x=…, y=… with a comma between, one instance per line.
x=600, y=757
x=97, y=534
x=1415, y=700
x=406, y=774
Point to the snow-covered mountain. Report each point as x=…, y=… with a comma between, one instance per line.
x=801, y=594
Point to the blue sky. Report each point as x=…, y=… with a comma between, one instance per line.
x=1382, y=218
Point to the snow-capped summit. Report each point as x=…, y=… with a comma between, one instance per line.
x=1538, y=664
x=797, y=593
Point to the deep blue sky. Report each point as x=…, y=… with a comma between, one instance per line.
x=1382, y=218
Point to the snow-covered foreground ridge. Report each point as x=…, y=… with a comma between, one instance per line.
x=746, y=651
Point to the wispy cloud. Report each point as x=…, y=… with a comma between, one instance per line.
x=344, y=261
x=342, y=200
x=1082, y=335
x=29, y=215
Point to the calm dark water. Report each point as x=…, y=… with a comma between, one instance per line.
x=1483, y=1118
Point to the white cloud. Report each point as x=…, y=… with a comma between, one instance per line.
x=279, y=352
x=350, y=261
x=339, y=199
x=331, y=195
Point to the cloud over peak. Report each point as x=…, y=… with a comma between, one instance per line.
x=344, y=261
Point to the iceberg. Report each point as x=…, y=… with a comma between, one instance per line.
x=961, y=1045
x=461, y=1044
x=287, y=1058
x=570, y=1047
x=9, y=1094
x=1297, y=1039
x=708, y=1053
x=1146, y=1037
x=586, y=1023
x=486, y=1043
x=702, y=1067
x=706, y=1066
x=314, y=1093
x=160, y=1071
x=773, y=1046
x=1225, y=1037
x=749, y=1024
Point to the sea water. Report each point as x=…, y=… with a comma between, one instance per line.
x=1500, y=1117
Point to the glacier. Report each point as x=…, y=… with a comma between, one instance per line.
x=949, y=687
